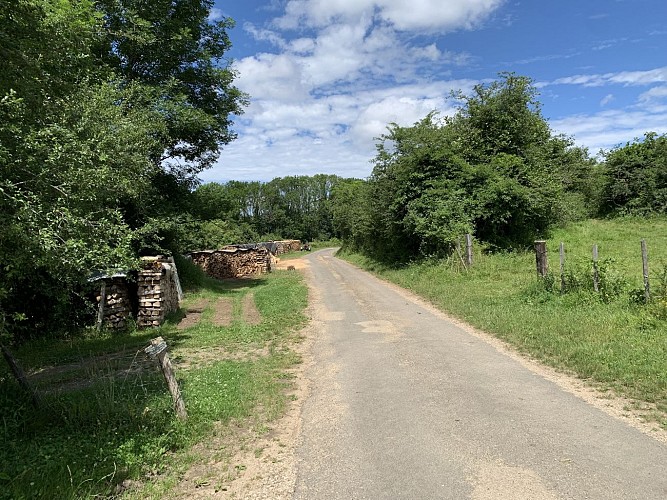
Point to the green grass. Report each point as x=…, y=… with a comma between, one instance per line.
x=614, y=342
x=106, y=418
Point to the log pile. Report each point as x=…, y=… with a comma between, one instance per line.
x=157, y=291
x=233, y=261
x=286, y=246
x=117, y=307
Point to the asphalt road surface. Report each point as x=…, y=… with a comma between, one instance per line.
x=405, y=404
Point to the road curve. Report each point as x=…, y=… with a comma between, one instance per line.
x=405, y=404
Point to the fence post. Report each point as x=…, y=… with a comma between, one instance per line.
x=158, y=349
x=20, y=377
x=541, y=258
x=468, y=250
x=596, y=273
x=561, y=251
x=100, y=307
x=647, y=291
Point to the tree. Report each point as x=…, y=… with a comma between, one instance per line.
x=636, y=177
x=92, y=107
x=493, y=168
x=172, y=47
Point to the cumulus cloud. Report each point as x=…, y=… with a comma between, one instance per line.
x=402, y=15
x=351, y=67
x=608, y=129
x=319, y=101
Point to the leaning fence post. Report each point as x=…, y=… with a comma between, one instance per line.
x=596, y=272
x=561, y=252
x=468, y=250
x=541, y=258
x=647, y=291
x=158, y=349
x=20, y=377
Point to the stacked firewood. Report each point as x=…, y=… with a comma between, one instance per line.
x=157, y=291
x=233, y=262
x=286, y=246
x=117, y=308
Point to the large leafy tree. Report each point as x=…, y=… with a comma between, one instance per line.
x=493, y=168
x=84, y=178
x=173, y=47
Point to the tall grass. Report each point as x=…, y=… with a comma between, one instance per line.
x=616, y=342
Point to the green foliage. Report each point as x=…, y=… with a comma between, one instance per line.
x=107, y=416
x=578, y=279
x=95, y=99
x=173, y=48
x=636, y=177
x=298, y=207
x=190, y=274
x=494, y=169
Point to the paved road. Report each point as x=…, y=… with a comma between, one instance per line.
x=405, y=404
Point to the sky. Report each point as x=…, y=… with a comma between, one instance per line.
x=326, y=77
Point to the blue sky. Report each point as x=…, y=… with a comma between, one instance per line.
x=325, y=77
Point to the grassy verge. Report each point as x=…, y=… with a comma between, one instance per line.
x=611, y=338
x=106, y=416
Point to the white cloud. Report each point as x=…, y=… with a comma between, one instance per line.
x=606, y=100
x=271, y=76
x=333, y=133
x=215, y=14
x=264, y=35
x=415, y=15
x=657, y=75
x=654, y=95
x=607, y=129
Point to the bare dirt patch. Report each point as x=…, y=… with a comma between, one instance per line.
x=223, y=314
x=251, y=314
x=192, y=314
x=246, y=461
x=186, y=358
x=297, y=264
x=252, y=459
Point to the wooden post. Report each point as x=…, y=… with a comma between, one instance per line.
x=468, y=250
x=541, y=258
x=562, y=267
x=100, y=308
x=176, y=279
x=647, y=291
x=20, y=377
x=596, y=273
x=158, y=349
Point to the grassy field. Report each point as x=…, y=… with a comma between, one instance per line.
x=610, y=338
x=106, y=416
